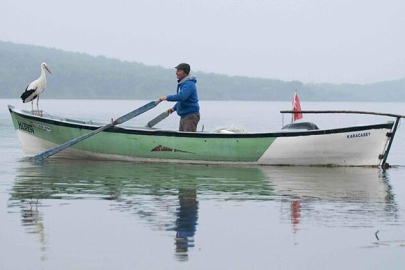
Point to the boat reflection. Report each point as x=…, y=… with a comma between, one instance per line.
x=167, y=196
x=163, y=195
x=325, y=195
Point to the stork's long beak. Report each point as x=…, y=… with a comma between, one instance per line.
x=48, y=70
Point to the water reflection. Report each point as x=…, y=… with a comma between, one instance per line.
x=353, y=197
x=163, y=195
x=32, y=220
x=166, y=196
x=186, y=222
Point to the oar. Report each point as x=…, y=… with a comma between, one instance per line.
x=117, y=121
x=157, y=119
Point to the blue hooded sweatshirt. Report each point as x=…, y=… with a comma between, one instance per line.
x=186, y=97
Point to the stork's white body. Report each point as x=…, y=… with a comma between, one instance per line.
x=36, y=88
x=38, y=85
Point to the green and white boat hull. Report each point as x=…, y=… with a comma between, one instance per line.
x=352, y=146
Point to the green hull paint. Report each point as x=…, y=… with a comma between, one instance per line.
x=145, y=146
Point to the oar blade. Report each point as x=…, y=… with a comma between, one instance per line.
x=57, y=149
x=157, y=119
x=120, y=120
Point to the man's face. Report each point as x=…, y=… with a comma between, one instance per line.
x=180, y=74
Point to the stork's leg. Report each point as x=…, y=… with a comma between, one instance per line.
x=37, y=104
x=32, y=105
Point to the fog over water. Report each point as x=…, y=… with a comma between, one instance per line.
x=311, y=41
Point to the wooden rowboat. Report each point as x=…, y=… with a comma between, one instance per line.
x=366, y=145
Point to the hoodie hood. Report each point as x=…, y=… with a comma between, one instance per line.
x=188, y=78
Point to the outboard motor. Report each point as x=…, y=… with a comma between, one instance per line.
x=301, y=126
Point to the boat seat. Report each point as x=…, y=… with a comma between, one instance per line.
x=302, y=126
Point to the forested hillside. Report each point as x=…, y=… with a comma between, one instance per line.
x=82, y=76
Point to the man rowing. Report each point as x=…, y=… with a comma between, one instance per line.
x=186, y=106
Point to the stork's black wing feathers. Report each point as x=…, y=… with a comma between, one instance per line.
x=27, y=93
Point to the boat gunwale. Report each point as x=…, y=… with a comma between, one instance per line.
x=173, y=133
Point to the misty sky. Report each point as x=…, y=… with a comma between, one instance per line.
x=358, y=41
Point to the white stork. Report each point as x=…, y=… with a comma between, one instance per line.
x=36, y=88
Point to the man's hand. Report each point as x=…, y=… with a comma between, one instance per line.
x=170, y=111
x=163, y=98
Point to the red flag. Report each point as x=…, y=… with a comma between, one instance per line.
x=296, y=107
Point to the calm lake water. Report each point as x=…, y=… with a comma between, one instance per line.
x=66, y=214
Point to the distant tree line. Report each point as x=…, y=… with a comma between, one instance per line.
x=81, y=76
